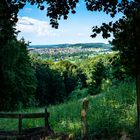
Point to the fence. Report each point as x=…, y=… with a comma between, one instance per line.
x=25, y=132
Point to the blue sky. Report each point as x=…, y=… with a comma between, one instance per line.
x=34, y=26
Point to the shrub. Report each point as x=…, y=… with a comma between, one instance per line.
x=78, y=94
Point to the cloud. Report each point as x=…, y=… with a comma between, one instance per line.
x=81, y=35
x=35, y=26
x=24, y=21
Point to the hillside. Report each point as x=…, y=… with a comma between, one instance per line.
x=78, y=45
x=70, y=52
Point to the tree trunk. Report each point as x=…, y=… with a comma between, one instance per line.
x=137, y=43
x=138, y=98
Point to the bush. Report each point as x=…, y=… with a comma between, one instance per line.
x=78, y=94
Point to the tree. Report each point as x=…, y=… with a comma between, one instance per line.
x=50, y=85
x=95, y=72
x=17, y=78
x=19, y=83
x=69, y=72
x=126, y=41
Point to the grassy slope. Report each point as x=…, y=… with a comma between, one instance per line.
x=109, y=113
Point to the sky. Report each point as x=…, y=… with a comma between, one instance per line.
x=35, y=27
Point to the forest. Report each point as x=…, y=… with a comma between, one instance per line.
x=110, y=82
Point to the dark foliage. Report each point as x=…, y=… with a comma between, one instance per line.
x=50, y=85
x=19, y=83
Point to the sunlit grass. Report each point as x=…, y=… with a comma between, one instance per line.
x=111, y=112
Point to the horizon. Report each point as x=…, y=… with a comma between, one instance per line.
x=69, y=44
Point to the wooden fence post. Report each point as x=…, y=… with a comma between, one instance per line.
x=47, y=126
x=20, y=123
x=84, y=119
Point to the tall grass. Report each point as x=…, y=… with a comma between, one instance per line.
x=114, y=111
x=110, y=113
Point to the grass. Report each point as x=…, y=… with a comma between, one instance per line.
x=110, y=113
x=114, y=111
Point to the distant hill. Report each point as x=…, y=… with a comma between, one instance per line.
x=78, y=45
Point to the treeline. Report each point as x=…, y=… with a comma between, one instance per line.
x=72, y=57
x=30, y=81
x=77, y=45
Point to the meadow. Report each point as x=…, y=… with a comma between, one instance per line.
x=110, y=114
